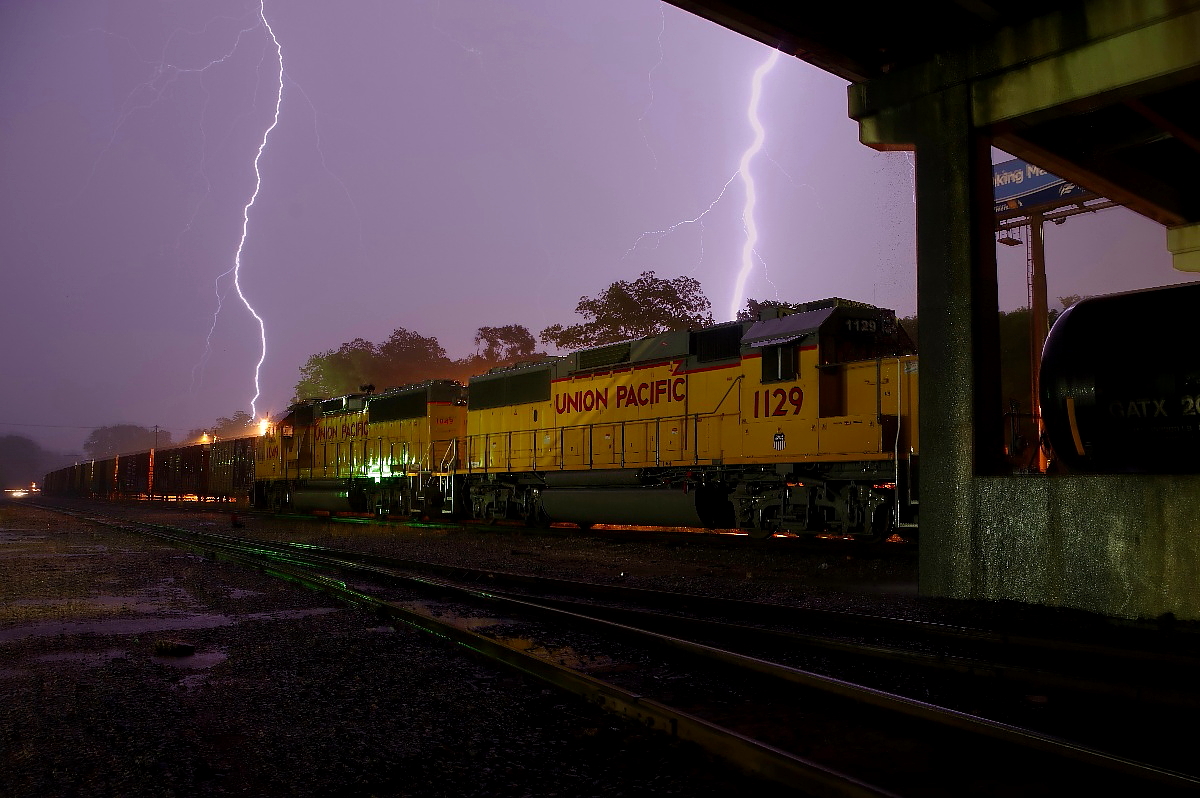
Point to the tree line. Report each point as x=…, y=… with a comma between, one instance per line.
x=625, y=310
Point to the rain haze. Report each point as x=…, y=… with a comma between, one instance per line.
x=435, y=166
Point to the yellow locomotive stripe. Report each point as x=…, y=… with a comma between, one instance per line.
x=1074, y=426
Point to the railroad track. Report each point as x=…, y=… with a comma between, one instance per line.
x=716, y=672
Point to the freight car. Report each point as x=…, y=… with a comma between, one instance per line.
x=1113, y=400
x=800, y=422
x=218, y=471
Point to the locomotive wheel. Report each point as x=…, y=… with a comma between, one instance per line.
x=536, y=518
x=767, y=524
x=883, y=524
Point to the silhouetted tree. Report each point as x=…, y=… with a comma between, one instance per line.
x=337, y=371
x=647, y=306
x=407, y=357
x=909, y=325
x=508, y=343
x=122, y=438
x=502, y=346
x=239, y=425
x=403, y=358
x=24, y=462
x=755, y=307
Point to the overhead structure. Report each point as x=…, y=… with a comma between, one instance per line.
x=1102, y=93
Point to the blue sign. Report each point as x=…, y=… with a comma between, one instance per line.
x=1017, y=184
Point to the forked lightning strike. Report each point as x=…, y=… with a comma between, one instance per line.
x=236, y=269
x=751, y=226
x=748, y=222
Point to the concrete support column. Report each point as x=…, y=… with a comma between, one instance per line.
x=961, y=424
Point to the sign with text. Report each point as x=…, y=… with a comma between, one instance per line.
x=1017, y=184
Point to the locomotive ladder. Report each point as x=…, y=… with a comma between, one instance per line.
x=446, y=477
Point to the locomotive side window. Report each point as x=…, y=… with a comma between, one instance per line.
x=779, y=363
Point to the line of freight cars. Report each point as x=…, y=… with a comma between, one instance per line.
x=803, y=421
x=219, y=471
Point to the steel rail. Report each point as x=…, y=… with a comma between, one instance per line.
x=861, y=694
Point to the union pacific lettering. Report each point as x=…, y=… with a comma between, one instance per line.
x=347, y=429
x=639, y=395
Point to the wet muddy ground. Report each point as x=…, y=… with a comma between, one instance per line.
x=285, y=692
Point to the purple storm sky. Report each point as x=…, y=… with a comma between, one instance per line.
x=437, y=166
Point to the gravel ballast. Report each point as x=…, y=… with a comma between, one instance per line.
x=286, y=692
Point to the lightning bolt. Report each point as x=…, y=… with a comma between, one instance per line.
x=236, y=269
x=237, y=258
x=751, y=199
x=662, y=29
x=165, y=75
x=697, y=220
x=743, y=171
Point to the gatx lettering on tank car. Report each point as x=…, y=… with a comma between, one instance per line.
x=1120, y=386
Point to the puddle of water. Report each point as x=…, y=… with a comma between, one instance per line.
x=199, y=660
x=287, y=615
x=131, y=603
x=115, y=626
x=149, y=624
x=92, y=658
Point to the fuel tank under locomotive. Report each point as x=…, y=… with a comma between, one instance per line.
x=1120, y=383
x=651, y=506
x=623, y=497
x=333, y=495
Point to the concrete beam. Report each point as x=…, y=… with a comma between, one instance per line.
x=1148, y=56
x=1052, y=63
x=1105, y=52
x=1183, y=242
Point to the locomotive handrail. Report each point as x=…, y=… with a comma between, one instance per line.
x=735, y=381
x=896, y=444
x=450, y=458
x=657, y=442
x=879, y=390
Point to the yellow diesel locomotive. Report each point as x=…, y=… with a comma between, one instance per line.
x=802, y=421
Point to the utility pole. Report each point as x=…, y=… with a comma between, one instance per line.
x=153, y=454
x=1039, y=321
